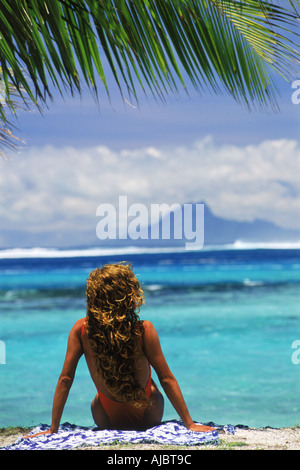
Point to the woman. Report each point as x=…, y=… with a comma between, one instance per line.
x=119, y=350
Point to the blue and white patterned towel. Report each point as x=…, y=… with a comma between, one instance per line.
x=71, y=436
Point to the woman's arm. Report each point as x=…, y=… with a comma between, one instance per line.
x=167, y=380
x=73, y=354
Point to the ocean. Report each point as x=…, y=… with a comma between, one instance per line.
x=228, y=319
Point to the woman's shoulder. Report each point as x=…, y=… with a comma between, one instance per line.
x=79, y=322
x=149, y=329
x=77, y=327
x=147, y=325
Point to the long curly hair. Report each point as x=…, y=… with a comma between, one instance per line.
x=114, y=298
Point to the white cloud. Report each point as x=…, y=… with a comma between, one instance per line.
x=46, y=188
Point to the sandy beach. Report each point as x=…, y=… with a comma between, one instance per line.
x=243, y=439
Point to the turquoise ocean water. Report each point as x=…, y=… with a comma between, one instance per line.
x=227, y=319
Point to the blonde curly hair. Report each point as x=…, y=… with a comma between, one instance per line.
x=114, y=298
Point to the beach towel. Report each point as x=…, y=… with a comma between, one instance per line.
x=71, y=436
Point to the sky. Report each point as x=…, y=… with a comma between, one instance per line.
x=79, y=154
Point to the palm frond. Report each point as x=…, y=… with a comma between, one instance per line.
x=220, y=45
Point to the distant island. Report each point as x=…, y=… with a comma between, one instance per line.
x=219, y=230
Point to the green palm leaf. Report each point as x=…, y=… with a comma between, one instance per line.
x=231, y=46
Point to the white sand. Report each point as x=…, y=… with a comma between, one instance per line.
x=266, y=438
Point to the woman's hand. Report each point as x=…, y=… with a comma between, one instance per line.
x=200, y=428
x=38, y=434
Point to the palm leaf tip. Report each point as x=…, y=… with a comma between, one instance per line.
x=8, y=139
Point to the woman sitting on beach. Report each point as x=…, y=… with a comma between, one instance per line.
x=119, y=350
